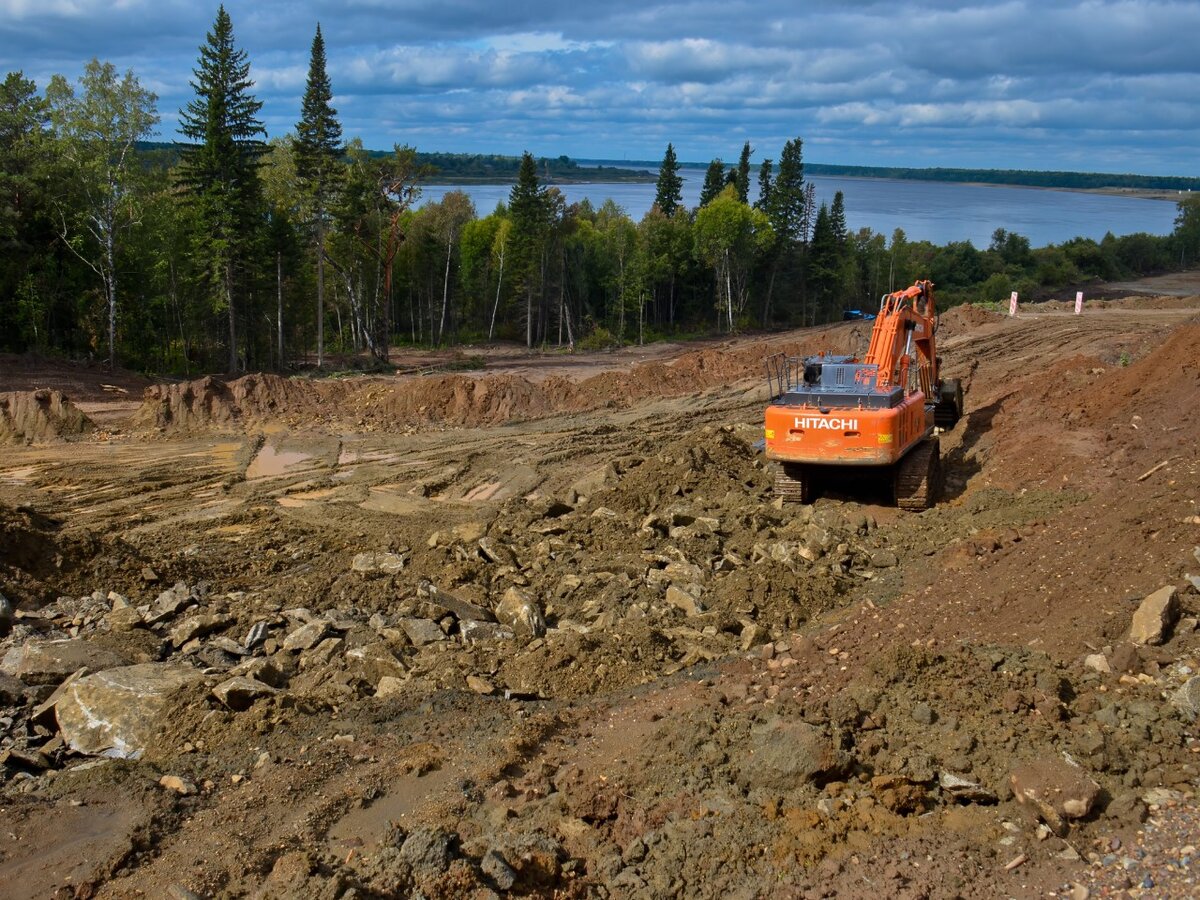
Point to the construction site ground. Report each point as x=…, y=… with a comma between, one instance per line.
x=692, y=690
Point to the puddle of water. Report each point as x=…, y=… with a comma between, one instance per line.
x=393, y=498
x=307, y=498
x=270, y=462
x=365, y=826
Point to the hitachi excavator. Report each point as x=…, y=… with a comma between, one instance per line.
x=880, y=411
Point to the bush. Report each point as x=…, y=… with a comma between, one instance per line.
x=599, y=338
x=997, y=288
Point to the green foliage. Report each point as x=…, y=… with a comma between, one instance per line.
x=239, y=239
x=101, y=185
x=765, y=186
x=668, y=194
x=714, y=182
x=996, y=288
x=220, y=171
x=730, y=237
x=598, y=338
x=1187, y=230
x=741, y=176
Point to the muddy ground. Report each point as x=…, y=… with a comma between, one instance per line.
x=541, y=629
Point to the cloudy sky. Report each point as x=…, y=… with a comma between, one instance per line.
x=1086, y=85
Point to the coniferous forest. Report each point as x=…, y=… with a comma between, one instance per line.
x=233, y=252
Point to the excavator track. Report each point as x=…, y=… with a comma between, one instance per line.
x=919, y=476
x=793, y=483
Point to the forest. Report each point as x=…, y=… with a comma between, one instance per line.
x=231, y=252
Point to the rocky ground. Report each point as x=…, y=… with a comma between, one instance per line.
x=545, y=631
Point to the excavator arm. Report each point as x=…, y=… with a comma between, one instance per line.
x=907, y=320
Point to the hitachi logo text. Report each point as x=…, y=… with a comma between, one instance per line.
x=827, y=424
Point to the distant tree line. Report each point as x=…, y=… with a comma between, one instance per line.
x=457, y=168
x=229, y=252
x=1018, y=177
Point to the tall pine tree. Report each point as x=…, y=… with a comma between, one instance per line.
x=765, y=186
x=669, y=194
x=220, y=170
x=741, y=178
x=318, y=163
x=714, y=182
x=528, y=210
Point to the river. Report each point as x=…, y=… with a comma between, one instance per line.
x=933, y=211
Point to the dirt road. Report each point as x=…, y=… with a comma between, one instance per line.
x=548, y=634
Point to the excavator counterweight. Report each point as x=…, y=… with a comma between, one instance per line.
x=880, y=411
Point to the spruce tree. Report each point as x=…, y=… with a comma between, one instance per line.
x=787, y=195
x=220, y=170
x=528, y=210
x=837, y=219
x=714, y=182
x=742, y=177
x=764, y=186
x=669, y=194
x=318, y=163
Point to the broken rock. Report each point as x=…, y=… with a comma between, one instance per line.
x=473, y=632
x=177, y=784
x=198, y=626
x=685, y=601
x=1056, y=790
x=388, y=563
x=1154, y=617
x=784, y=755
x=462, y=609
x=118, y=712
x=307, y=636
x=6, y=616
x=520, y=611
x=240, y=692
x=1187, y=698
x=964, y=790
x=422, y=631
x=49, y=662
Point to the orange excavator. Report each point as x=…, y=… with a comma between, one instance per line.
x=881, y=411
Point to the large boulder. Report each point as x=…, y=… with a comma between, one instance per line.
x=119, y=712
x=50, y=662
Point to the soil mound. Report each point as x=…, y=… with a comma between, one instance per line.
x=1162, y=385
x=965, y=318
x=211, y=402
x=462, y=400
x=35, y=417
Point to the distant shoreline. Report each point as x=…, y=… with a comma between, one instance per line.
x=607, y=178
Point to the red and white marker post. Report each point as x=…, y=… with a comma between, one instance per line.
x=1078, y=302
x=1012, y=304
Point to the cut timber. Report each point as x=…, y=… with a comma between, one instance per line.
x=919, y=476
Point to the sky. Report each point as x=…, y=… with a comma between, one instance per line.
x=1082, y=85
